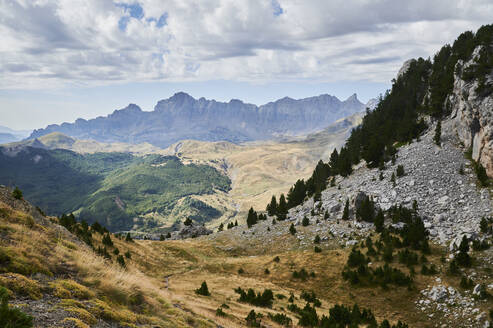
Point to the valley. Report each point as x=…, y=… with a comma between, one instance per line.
x=119, y=180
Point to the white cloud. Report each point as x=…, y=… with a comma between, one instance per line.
x=48, y=44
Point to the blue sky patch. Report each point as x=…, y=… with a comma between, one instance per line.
x=163, y=20
x=135, y=11
x=276, y=6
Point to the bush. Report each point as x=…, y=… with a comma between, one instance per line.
x=400, y=171
x=302, y=274
x=263, y=299
x=220, y=312
x=317, y=249
x=281, y=319
x=292, y=229
x=107, y=240
x=17, y=193
x=12, y=317
x=203, y=290
x=121, y=260
x=276, y=259
x=251, y=319
x=438, y=133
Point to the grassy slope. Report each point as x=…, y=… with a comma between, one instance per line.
x=89, y=288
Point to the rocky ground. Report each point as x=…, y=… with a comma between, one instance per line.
x=442, y=182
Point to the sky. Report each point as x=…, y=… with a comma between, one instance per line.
x=65, y=59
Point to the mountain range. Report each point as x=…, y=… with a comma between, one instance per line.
x=10, y=135
x=184, y=117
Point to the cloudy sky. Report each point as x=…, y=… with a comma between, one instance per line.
x=64, y=59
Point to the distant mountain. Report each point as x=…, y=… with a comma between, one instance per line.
x=10, y=135
x=184, y=117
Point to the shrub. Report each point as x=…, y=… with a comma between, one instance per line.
x=220, y=312
x=302, y=274
x=129, y=237
x=241, y=271
x=128, y=255
x=438, y=133
x=400, y=171
x=310, y=297
x=276, y=259
x=317, y=239
x=292, y=229
x=266, y=271
x=107, y=240
x=121, y=260
x=305, y=222
x=263, y=299
x=203, y=290
x=317, y=249
x=281, y=319
x=17, y=193
x=251, y=319
x=188, y=222
x=12, y=317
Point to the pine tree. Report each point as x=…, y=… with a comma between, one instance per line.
x=334, y=157
x=272, y=207
x=188, y=222
x=282, y=209
x=121, y=260
x=305, y=222
x=203, y=290
x=292, y=229
x=379, y=221
x=345, y=213
x=107, y=240
x=161, y=237
x=438, y=133
x=221, y=227
x=251, y=218
x=317, y=239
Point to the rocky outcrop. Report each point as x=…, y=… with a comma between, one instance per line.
x=191, y=231
x=472, y=115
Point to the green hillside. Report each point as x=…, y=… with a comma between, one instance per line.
x=116, y=189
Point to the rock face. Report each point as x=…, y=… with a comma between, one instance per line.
x=184, y=117
x=191, y=232
x=472, y=115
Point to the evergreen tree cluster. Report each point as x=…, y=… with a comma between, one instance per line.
x=396, y=118
x=411, y=238
x=340, y=316
x=281, y=319
x=263, y=299
x=253, y=217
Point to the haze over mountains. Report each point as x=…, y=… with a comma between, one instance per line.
x=184, y=117
x=10, y=135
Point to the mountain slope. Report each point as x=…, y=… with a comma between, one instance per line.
x=112, y=188
x=184, y=117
